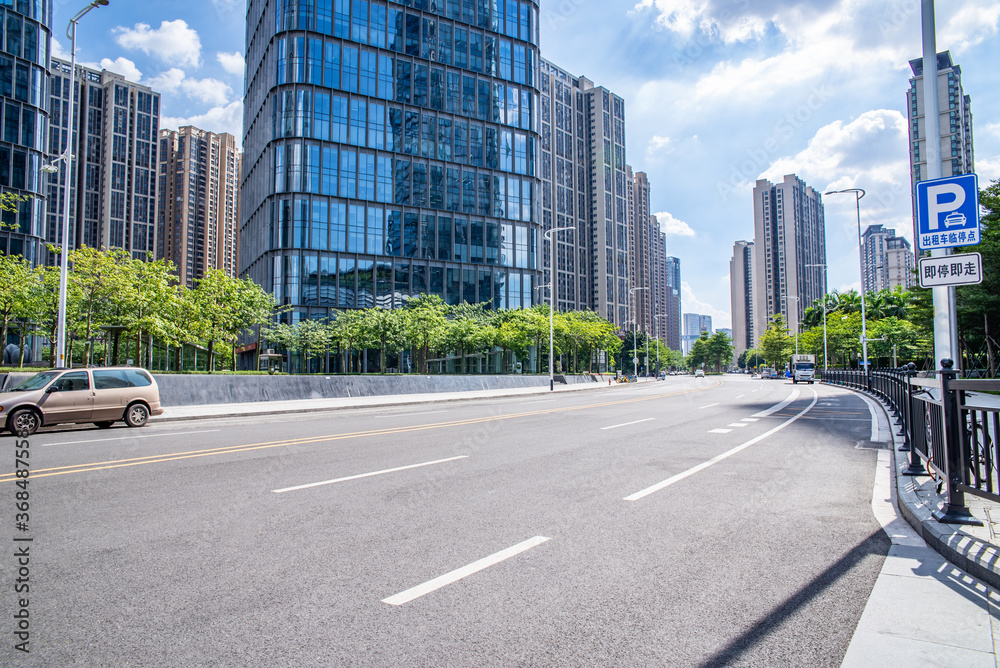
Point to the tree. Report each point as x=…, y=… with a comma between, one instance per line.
x=423, y=325
x=775, y=344
x=750, y=358
x=720, y=350
x=15, y=277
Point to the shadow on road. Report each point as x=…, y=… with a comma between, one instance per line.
x=877, y=544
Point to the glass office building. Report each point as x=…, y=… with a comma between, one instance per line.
x=24, y=60
x=390, y=150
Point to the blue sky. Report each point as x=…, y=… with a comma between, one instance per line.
x=718, y=94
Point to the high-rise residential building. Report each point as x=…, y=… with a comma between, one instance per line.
x=659, y=287
x=24, y=62
x=789, y=251
x=584, y=185
x=115, y=134
x=888, y=260
x=674, y=322
x=197, y=216
x=641, y=249
x=705, y=323
x=955, y=109
x=741, y=271
x=391, y=151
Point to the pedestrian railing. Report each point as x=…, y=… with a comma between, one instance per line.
x=947, y=432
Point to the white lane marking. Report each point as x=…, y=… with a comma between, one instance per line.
x=389, y=415
x=750, y=419
x=129, y=438
x=367, y=475
x=715, y=460
x=777, y=407
x=738, y=424
x=625, y=424
x=719, y=431
x=708, y=406
x=463, y=572
x=871, y=410
x=741, y=396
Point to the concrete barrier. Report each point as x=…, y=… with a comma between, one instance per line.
x=202, y=389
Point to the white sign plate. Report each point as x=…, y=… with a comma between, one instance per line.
x=964, y=269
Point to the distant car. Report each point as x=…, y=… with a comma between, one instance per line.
x=102, y=396
x=698, y=373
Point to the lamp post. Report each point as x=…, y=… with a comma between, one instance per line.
x=552, y=300
x=67, y=158
x=635, y=358
x=655, y=316
x=826, y=366
x=858, y=194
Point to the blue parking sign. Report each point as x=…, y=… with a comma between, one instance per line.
x=948, y=212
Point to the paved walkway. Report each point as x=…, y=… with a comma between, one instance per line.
x=924, y=610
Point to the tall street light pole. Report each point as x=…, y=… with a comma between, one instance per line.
x=858, y=194
x=67, y=158
x=635, y=357
x=552, y=301
x=826, y=366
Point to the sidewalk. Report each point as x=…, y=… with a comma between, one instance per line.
x=924, y=610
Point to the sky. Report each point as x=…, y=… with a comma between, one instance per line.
x=719, y=93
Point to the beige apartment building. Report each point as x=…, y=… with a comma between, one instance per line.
x=199, y=181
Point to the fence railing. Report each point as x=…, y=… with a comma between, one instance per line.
x=946, y=430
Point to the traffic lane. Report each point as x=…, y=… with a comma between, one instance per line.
x=460, y=524
x=143, y=449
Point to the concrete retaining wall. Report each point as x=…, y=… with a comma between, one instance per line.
x=198, y=389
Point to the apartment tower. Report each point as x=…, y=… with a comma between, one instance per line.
x=888, y=260
x=116, y=125
x=955, y=107
x=673, y=291
x=789, y=251
x=741, y=270
x=198, y=212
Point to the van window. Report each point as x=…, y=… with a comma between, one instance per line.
x=110, y=379
x=72, y=382
x=138, y=378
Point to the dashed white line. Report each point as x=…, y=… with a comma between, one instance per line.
x=741, y=396
x=625, y=424
x=129, y=438
x=750, y=419
x=367, y=475
x=463, y=572
x=719, y=431
x=738, y=424
x=715, y=460
x=708, y=406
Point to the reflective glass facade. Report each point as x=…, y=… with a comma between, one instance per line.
x=391, y=150
x=24, y=59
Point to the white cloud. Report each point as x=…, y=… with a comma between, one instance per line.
x=231, y=62
x=172, y=42
x=691, y=304
x=122, y=66
x=174, y=80
x=58, y=51
x=228, y=118
x=966, y=26
x=988, y=170
x=993, y=129
x=672, y=226
x=686, y=17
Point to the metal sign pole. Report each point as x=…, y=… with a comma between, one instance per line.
x=944, y=317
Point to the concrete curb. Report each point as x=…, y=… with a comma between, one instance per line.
x=975, y=556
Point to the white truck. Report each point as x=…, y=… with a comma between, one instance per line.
x=803, y=368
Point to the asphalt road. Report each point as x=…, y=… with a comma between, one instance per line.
x=716, y=521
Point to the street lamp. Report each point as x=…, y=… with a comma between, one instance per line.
x=552, y=300
x=67, y=158
x=635, y=357
x=655, y=316
x=826, y=365
x=858, y=194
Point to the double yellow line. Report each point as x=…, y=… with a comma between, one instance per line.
x=191, y=454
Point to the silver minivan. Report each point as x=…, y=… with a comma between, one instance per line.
x=102, y=396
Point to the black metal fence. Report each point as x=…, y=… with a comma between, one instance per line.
x=944, y=427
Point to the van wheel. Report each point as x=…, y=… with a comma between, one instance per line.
x=136, y=415
x=24, y=422
x=104, y=425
